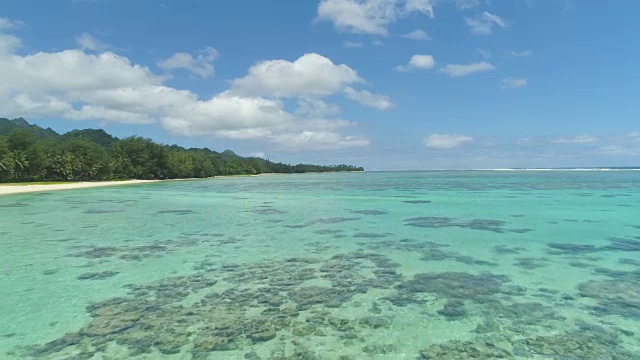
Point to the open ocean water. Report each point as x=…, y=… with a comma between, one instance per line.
x=389, y=265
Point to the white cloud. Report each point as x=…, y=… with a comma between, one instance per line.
x=318, y=140
x=579, y=139
x=311, y=74
x=484, y=53
x=513, y=83
x=483, y=24
x=8, y=43
x=634, y=135
x=366, y=98
x=8, y=24
x=418, y=62
x=225, y=112
x=446, y=141
x=370, y=16
x=201, y=65
x=88, y=42
x=455, y=70
x=523, y=53
x=352, y=44
x=467, y=4
x=107, y=87
x=417, y=35
x=315, y=107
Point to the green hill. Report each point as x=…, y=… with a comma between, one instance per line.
x=29, y=152
x=7, y=126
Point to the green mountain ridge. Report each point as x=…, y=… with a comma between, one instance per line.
x=29, y=152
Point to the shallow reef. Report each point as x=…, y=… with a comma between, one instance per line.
x=497, y=226
x=140, y=252
x=231, y=307
x=618, y=295
x=278, y=309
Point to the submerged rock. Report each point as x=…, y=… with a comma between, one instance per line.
x=572, y=249
x=454, y=350
x=454, y=309
x=369, y=212
x=98, y=275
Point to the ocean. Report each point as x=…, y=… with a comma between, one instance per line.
x=373, y=265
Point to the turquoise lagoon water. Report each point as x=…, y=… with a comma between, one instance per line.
x=414, y=265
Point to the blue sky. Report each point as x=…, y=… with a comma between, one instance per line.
x=387, y=84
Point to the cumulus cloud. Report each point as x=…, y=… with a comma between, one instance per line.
x=201, y=65
x=87, y=41
x=513, y=83
x=8, y=43
x=366, y=98
x=456, y=70
x=370, y=16
x=579, y=139
x=76, y=85
x=483, y=24
x=523, y=53
x=8, y=24
x=446, y=141
x=311, y=74
x=417, y=35
x=418, y=62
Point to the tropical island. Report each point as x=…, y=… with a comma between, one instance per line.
x=30, y=153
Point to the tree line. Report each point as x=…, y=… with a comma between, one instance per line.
x=31, y=153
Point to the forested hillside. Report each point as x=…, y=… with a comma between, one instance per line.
x=31, y=153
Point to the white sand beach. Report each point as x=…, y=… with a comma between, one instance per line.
x=27, y=188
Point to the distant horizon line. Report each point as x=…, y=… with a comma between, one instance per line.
x=612, y=168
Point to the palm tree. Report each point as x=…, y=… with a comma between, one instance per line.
x=20, y=162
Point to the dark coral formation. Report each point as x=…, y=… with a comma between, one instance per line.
x=267, y=210
x=137, y=253
x=505, y=250
x=334, y=220
x=176, y=212
x=619, y=295
x=615, y=244
x=369, y=212
x=572, y=249
x=456, y=285
x=100, y=275
x=496, y=226
x=453, y=350
x=530, y=263
x=103, y=211
x=624, y=244
x=207, y=311
x=369, y=235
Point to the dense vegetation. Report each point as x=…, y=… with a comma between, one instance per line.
x=31, y=153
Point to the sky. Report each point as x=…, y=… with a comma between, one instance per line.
x=384, y=84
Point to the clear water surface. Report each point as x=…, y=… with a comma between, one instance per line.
x=413, y=265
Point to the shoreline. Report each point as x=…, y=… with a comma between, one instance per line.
x=26, y=188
